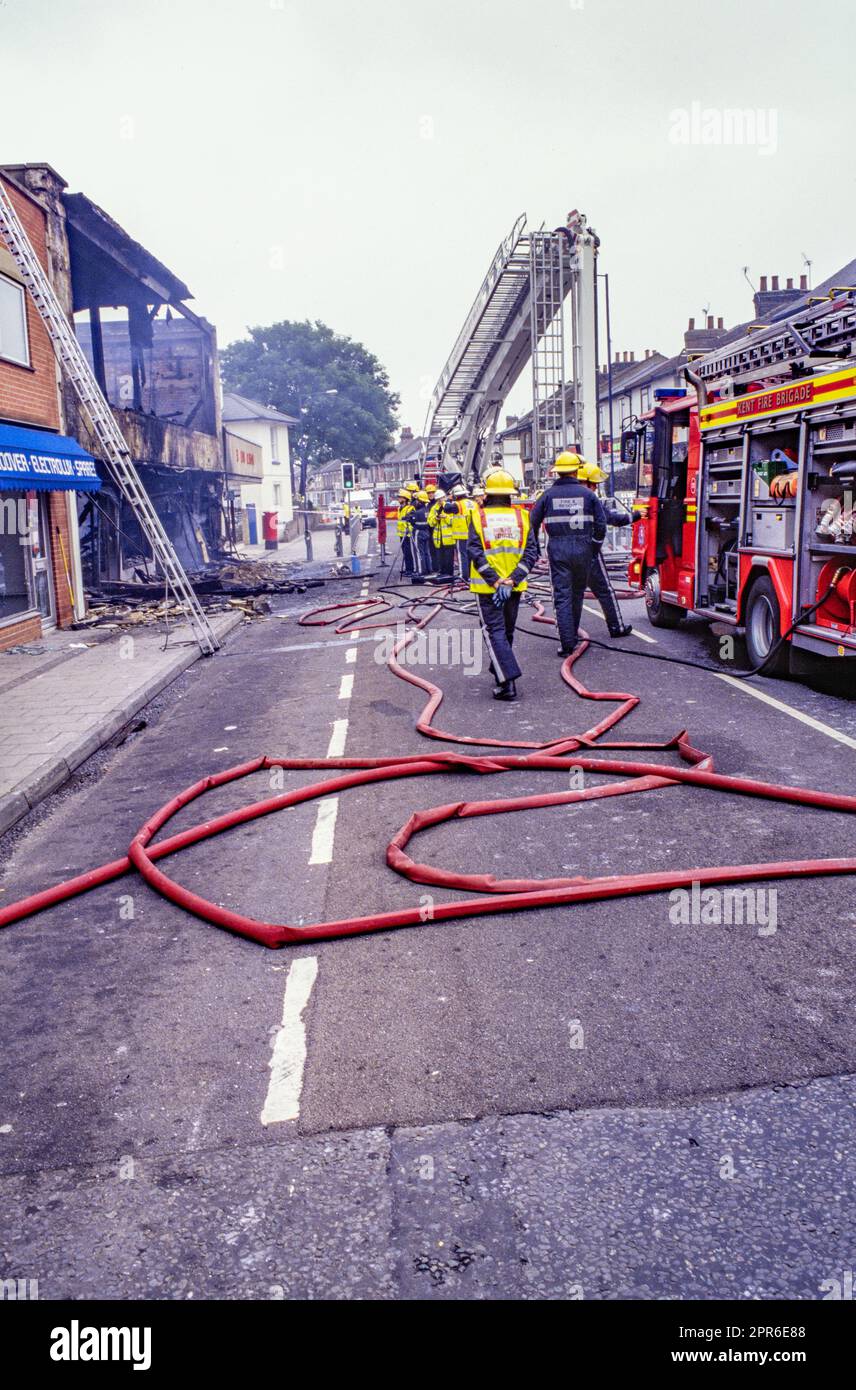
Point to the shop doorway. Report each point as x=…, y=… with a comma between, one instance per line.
x=26, y=585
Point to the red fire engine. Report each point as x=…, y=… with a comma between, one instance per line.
x=746, y=483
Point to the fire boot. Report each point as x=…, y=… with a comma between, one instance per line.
x=506, y=690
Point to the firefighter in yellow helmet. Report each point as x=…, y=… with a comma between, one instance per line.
x=599, y=582
x=422, y=531
x=501, y=549
x=405, y=532
x=461, y=525
x=575, y=524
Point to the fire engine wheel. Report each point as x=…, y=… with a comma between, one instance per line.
x=660, y=614
x=764, y=627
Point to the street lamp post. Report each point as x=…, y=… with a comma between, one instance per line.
x=605, y=279
x=304, y=500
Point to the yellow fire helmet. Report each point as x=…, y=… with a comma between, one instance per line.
x=422, y=496
x=567, y=462
x=498, y=481
x=410, y=487
x=591, y=473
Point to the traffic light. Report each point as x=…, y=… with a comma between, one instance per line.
x=349, y=475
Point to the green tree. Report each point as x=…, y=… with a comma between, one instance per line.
x=335, y=387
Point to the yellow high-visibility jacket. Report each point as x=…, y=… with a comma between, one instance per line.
x=441, y=523
x=402, y=525
x=501, y=545
x=461, y=521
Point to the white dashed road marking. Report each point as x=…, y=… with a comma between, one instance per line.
x=337, y=739
x=288, y=1055
x=346, y=686
x=325, y=831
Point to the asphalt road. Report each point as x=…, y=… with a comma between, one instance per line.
x=596, y=1102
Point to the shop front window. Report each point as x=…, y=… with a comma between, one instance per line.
x=24, y=569
x=15, y=591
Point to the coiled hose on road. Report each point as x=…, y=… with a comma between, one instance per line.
x=558, y=754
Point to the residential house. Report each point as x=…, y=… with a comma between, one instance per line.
x=267, y=430
x=401, y=464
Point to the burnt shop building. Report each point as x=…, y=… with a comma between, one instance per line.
x=41, y=475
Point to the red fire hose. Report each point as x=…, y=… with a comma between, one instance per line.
x=500, y=895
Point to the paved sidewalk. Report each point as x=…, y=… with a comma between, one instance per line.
x=51, y=721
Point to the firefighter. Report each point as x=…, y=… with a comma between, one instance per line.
x=502, y=547
x=431, y=489
x=575, y=524
x=599, y=581
x=421, y=531
x=435, y=506
x=404, y=529
x=444, y=513
x=461, y=525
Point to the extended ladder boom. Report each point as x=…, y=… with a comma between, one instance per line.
x=111, y=442
x=518, y=317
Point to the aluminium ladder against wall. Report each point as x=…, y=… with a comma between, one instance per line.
x=111, y=442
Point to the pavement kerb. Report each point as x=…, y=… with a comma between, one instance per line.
x=53, y=772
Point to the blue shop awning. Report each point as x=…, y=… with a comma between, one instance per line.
x=46, y=462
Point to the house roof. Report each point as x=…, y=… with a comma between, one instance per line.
x=237, y=407
x=405, y=451
x=845, y=276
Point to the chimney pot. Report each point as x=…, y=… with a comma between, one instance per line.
x=720, y=323
x=763, y=284
x=691, y=325
x=789, y=284
x=710, y=320
x=803, y=282
x=775, y=282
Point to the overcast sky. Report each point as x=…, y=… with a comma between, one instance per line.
x=360, y=162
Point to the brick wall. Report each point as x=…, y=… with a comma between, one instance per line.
x=28, y=630
x=29, y=394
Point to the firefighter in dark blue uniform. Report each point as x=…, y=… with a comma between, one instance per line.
x=599, y=581
x=575, y=525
